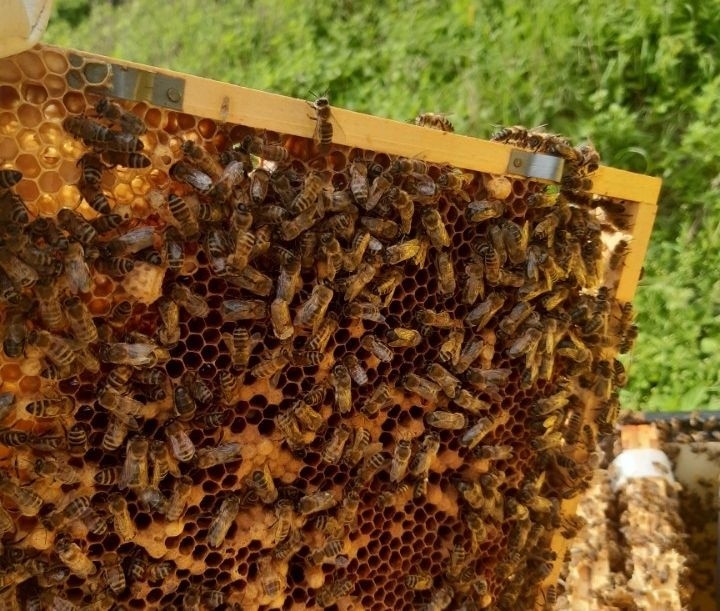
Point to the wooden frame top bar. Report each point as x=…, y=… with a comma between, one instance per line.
x=235, y=104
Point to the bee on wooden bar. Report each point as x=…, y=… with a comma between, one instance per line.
x=323, y=127
x=434, y=120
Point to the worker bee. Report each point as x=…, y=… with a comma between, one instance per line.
x=191, y=176
x=194, y=304
x=13, y=210
x=9, y=178
x=441, y=376
x=73, y=557
x=378, y=400
x=420, y=464
x=329, y=593
x=491, y=379
x=91, y=132
x=223, y=520
x=491, y=260
x=451, y=348
x=271, y=365
x=446, y=273
x=54, y=347
x=49, y=305
x=233, y=175
x=27, y=500
x=402, y=251
x=178, y=499
x=81, y=322
x=335, y=446
x=357, y=373
x=435, y=228
x=358, y=281
x=50, y=407
x=494, y=452
x=381, y=228
x=342, y=385
x=323, y=127
x=76, y=226
x=434, y=120
x=355, y=451
x=200, y=158
x=618, y=254
x=446, y=420
x=288, y=426
x=181, y=446
x=18, y=272
x=515, y=318
x=477, y=528
x=265, y=150
x=307, y=417
x=186, y=219
x=252, y=280
x=373, y=345
x=312, y=312
x=424, y=388
x=125, y=120
x=174, y=249
x=126, y=158
x=475, y=434
x=306, y=199
x=469, y=353
x=288, y=281
x=547, y=442
x=387, y=283
x=525, y=344
x=331, y=552
x=515, y=240
x=280, y=319
x=135, y=469
x=262, y=482
x=419, y=581
x=479, y=211
x=359, y=183
x=400, y=460
x=379, y=187
x=318, y=501
x=440, y=320
x=221, y=454
x=240, y=346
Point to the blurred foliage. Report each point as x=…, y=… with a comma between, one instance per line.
x=640, y=80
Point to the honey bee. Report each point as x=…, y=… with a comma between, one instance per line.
x=50, y=407
x=618, y=254
x=387, y=284
x=19, y=273
x=174, y=249
x=199, y=157
x=526, y=344
x=420, y=464
x=330, y=593
x=108, y=476
x=402, y=251
x=252, y=280
x=488, y=379
x=81, y=322
x=400, y=460
x=116, y=431
x=494, y=452
x=441, y=376
x=73, y=557
x=240, y=346
x=181, y=446
x=221, y=454
x=380, y=228
x=515, y=318
x=434, y=120
x=316, y=502
x=264, y=150
x=307, y=416
x=475, y=434
x=223, y=520
x=547, y=442
x=186, y=219
x=331, y=552
x=178, y=499
x=306, y=199
x=193, y=304
x=9, y=178
x=373, y=345
x=439, y=419
x=27, y=500
x=335, y=446
x=55, y=348
x=160, y=570
x=262, y=482
x=135, y=469
x=440, y=320
x=358, y=281
x=245, y=309
x=477, y=528
x=288, y=281
x=289, y=546
x=419, y=581
x=191, y=176
x=280, y=319
x=469, y=353
x=126, y=121
x=233, y=175
x=126, y=158
x=323, y=127
x=161, y=463
x=12, y=209
x=380, y=399
x=270, y=366
x=422, y=387
x=359, y=183
x=91, y=132
x=288, y=426
x=355, y=451
x=380, y=186
x=312, y=312
x=435, y=228
x=446, y=273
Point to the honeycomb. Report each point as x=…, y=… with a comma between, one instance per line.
x=248, y=370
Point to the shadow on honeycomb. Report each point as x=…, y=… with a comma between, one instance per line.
x=248, y=370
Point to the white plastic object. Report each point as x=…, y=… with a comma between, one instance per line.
x=640, y=462
x=22, y=24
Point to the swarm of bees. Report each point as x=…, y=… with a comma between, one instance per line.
x=372, y=374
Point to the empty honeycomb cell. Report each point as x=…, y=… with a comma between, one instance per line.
x=50, y=182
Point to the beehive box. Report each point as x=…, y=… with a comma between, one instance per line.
x=364, y=369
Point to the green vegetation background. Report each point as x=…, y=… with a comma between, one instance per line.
x=641, y=83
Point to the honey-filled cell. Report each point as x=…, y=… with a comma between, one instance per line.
x=253, y=405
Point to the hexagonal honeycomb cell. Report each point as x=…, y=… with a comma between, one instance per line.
x=248, y=370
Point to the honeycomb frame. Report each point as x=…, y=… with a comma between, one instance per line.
x=41, y=88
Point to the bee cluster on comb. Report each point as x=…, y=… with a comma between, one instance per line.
x=249, y=370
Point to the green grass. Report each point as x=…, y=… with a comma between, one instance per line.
x=641, y=83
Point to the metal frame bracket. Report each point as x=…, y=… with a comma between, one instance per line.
x=535, y=165
x=127, y=83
